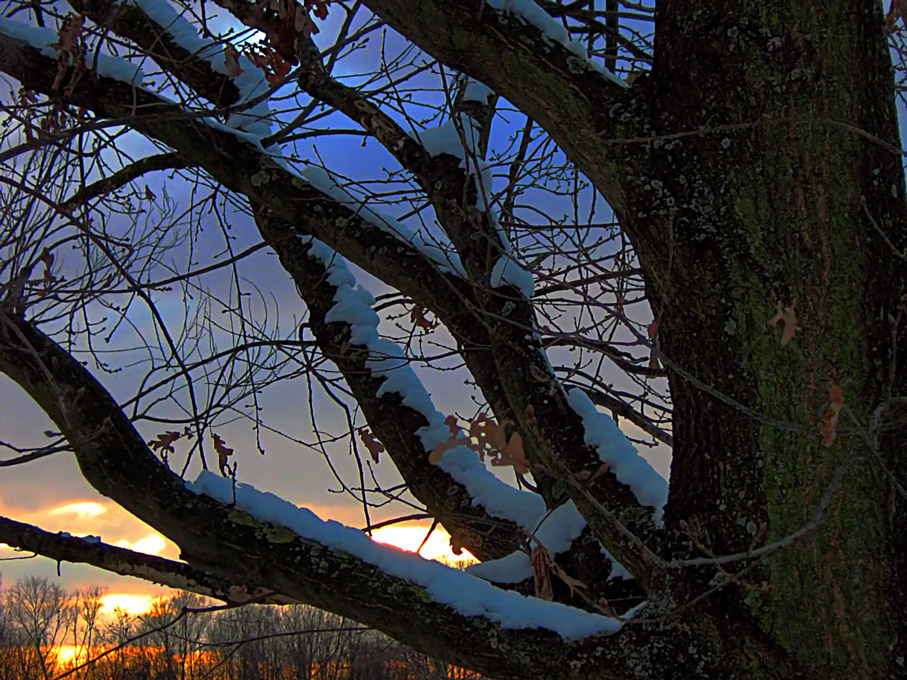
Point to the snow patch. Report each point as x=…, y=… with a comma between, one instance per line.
x=42, y=39
x=507, y=271
x=461, y=592
x=524, y=508
x=552, y=32
x=616, y=451
x=556, y=533
x=476, y=92
x=447, y=139
x=251, y=83
x=440, y=253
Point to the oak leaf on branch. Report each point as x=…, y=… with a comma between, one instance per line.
x=454, y=439
x=418, y=316
x=463, y=538
x=231, y=62
x=541, y=573
x=164, y=442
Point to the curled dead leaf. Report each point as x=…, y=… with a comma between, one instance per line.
x=222, y=454
x=231, y=62
x=541, y=573
x=464, y=538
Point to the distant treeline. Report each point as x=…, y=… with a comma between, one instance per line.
x=48, y=632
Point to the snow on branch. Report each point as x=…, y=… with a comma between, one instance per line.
x=476, y=91
x=556, y=534
x=459, y=137
x=529, y=12
x=467, y=595
x=249, y=80
x=47, y=41
x=353, y=306
x=619, y=454
x=439, y=253
x=498, y=498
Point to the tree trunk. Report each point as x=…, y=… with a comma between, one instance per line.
x=757, y=171
x=771, y=179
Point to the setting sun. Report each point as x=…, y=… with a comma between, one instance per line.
x=131, y=604
x=409, y=538
x=66, y=653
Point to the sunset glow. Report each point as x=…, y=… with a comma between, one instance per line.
x=131, y=604
x=409, y=538
x=82, y=509
x=152, y=544
x=66, y=653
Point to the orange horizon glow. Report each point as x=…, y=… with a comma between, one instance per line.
x=135, y=605
x=409, y=538
x=67, y=653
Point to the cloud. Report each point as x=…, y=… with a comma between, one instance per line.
x=152, y=544
x=83, y=510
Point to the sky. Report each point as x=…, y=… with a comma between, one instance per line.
x=51, y=493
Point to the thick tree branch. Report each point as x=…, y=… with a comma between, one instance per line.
x=242, y=166
x=395, y=424
x=115, y=460
x=65, y=548
x=579, y=107
x=130, y=21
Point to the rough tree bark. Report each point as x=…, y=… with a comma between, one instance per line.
x=756, y=170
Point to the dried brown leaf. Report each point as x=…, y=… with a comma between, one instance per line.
x=231, y=62
x=464, y=538
x=418, y=316
x=375, y=448
x=541, y=570
x=164, y=442
x=222, y=454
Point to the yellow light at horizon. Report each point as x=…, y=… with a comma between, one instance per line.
x=81, y=509
x=409, y=538
x=66, y=653
x=152, y=544
x=131, y=604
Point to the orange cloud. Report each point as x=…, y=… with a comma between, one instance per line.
x=81, y=509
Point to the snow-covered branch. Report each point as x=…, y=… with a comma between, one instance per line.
x=232, y=528
x=235, y=159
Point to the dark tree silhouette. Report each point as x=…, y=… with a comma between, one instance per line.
x=749, y=156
